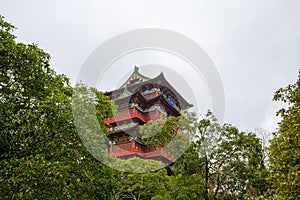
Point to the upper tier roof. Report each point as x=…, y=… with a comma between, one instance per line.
x=134, y=78
x=137, y=80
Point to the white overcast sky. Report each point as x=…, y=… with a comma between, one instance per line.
x=255, y=44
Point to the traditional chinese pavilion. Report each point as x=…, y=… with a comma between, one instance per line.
x=139, y=100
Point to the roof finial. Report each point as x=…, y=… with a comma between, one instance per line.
x=136, y=68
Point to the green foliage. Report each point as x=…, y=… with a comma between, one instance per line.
x=220, y=163
x=227, y=160
x=87, y=119
x=173, y=133
x=159, y=132
x=38, y=177
x=186, y=187
x=285, y=147
x=151, y=185
x=137, y=165
x=41, y=155
x=33, y=98
x=158, y=185
x=103, y=106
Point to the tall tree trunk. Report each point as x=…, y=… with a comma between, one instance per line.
x=218, y=185
x=206, y=179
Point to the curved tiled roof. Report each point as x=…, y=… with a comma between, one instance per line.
x=160, y=80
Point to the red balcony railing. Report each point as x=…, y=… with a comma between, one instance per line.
x=151, y=95
x=133, y=113
x=126, y=114
x=133, y=148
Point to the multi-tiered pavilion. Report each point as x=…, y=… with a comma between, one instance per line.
x=139, y=100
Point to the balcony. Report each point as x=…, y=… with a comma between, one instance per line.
x=126, y=114
x=132, y=113
x=132, y=148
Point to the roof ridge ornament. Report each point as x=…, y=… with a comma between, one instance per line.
x=136, y=69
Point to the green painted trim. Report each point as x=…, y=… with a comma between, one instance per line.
x=127, y=91
x=136, y=70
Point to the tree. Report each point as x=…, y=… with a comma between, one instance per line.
x=41, y=155
x=285, y=146
x=146, y=185
x=227, y=161
x=173, y=133
x=186, y=187
x=156, y=184
x=32, y=96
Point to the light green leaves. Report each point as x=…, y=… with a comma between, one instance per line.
x=285, y=147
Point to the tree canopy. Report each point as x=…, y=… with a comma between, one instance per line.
x=41, y=155
x=285, y=147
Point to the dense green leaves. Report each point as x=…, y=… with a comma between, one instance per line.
x=41, y=155
x=160, y=132
x=285, y=147
x=34, y=100
x=173, y=133
x=225, y=160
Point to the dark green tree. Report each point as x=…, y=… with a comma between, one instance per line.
x=41, y=155
x=186, y=187
x=147, y=185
